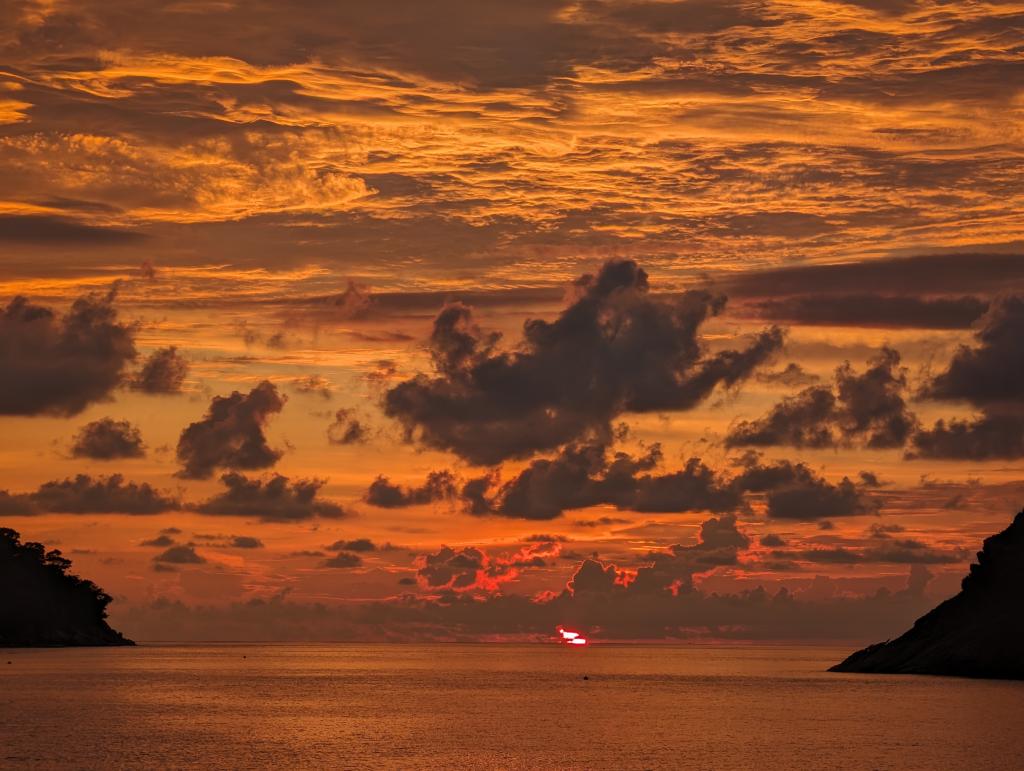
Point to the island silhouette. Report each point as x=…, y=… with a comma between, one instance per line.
x=977, y=633
x=43, y=604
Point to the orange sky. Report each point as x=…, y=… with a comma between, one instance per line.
x=292, y=192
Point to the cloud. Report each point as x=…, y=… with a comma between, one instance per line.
x=614, y=349
x=470, y=568
x=871, y=310
x=928, y=274
x=313, y=384
x=108, y=439
x=992, y=435
x=347, y=428
x=792, y=375
x=988, y=376
x=868, y=409
x=161, y=541
x=794, y=492
x=164, y=372
x=584, y=475
x=59, y=365
x=85, y=495
x=357, y=545
x=273, y=499
x=595, y=601
x=182, y=554
x=772, y=540
x=46, y=229
x=439, y=486
x=230, y=435
x=245, y=542
x=343, y=560
x=901, y=552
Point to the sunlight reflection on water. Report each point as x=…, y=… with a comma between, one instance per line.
x=492, y=706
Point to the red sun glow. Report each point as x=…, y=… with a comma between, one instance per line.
x=571, y=638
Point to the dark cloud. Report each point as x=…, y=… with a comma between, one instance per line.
x=163, y=372
x=357, y=545
x=439, y=486
x=899, y=552
x=230, y=435
x=614, y=349
x=583, y=475
x=108, y=439
x=988, y=376
x=868, y=408
x=47, y=229
x=995, y=434
x=347, y=428
x=594, y=600
x=85, y=495
x=602, y=522
x=871, y=310
x=59, y=365
x=274, y=499
x=794, y=492
x=161, y=542
x=343, y=560
x=932, y=274
x=673, y=570
x=182, y=554
x=793, y=375
x=451, y=569
x=245, y=542
x=772, y=540
x=879, y=530
x=990, y=373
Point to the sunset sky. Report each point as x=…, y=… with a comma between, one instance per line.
x=461, y=319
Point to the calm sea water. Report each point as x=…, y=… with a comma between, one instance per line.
x=492, y=706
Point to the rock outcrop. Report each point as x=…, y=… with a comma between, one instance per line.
x=977, y=633
x=42, y=604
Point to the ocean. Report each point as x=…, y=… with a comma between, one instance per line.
x=412, y=706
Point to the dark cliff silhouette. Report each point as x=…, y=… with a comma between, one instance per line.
x=42, y=604
x=977, y=633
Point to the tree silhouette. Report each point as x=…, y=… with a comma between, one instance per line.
x=42, y=603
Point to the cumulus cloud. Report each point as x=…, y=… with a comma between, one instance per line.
x=988, y=376
x=163, y=372
x=438, y=486
x=161, y=541
x=230, y=435
x=58, y=365
x=182, y=554
x=273, y=499
x=356, y=545
x=583, y=475
x=343, y=560
x=616, y=348
x=108, y=439
x=85, y=495
x=866, y=408
x=471, y=568
x=794, y=491
x=347, y=428
x=245, y=542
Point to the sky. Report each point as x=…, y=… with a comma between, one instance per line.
x=460, y=320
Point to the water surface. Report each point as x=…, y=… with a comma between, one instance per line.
x=492, y=706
